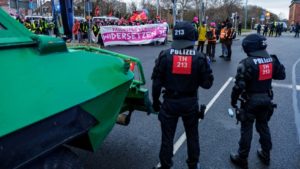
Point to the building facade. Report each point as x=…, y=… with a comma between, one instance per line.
x=22, y=6
x=294, y=16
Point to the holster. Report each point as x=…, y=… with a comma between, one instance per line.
x=241, y=115
x=201, y=112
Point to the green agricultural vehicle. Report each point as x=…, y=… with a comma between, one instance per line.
x=53, y=97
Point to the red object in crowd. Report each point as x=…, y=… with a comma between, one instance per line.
x=132, y=65
x=138, y=16
x=76, y=27
x=110, y=14
x=97, y=11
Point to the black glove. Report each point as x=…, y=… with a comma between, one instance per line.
x=233, y=103
x=156, y=105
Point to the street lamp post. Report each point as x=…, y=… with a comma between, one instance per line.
x=17, y=6
x=157, y=7
x=246, y=13
x=252, y=21
x=174, y=12
x=268, y=17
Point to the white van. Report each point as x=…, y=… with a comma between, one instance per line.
x=33, y=17
x=105, y=18
x=79, y=18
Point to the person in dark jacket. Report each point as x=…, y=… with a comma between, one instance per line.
x=266, y=29
x=297, y=29
x=272, y=27
x=253, y=88
x=240, y=28
x=178, y=73
x=229, y=36
x=258, y=28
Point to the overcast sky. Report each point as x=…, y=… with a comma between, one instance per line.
x=275, y=6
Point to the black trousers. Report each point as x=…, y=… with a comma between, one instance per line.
x=211, y=49
x=171, y=110
x=260, y=116
x=200, y=45
x=265, y=33
x=229, y=51
x=271, y=33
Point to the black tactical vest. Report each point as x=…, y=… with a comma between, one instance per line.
x=183, y=67
x=260, y=70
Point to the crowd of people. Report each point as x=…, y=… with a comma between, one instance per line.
x=38, y=26
x=80, y=28
x=270, y=29
x=296, y=29
x=212, y=32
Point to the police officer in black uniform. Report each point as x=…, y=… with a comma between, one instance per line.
x=178, y=73
x=253, y=88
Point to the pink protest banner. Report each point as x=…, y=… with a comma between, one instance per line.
x=134, y=35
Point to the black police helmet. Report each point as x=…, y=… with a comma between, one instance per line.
x=255, y=45
x=184, y=35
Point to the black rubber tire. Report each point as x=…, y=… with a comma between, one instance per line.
x=61, y=158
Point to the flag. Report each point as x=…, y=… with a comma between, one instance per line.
x=138, y=16
x=111, y=13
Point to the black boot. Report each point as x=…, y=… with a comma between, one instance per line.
x=159, y=168
x=264, y=156
x=195, y=166
x=239, y=161
x=213, y=59
x=227, y=59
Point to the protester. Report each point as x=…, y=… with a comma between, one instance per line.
x=75, y=30
x=229, y=36
x=222, y=39
x=212, y=39
x=201, y=36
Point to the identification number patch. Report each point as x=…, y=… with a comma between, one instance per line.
x=265, y=71
x=182, y=65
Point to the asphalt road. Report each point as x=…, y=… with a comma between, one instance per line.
x=137, y=145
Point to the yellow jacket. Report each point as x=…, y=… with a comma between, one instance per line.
x=202, y=33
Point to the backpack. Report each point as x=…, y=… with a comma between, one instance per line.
x=209, y=35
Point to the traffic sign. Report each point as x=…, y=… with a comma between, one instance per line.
x=262, y=18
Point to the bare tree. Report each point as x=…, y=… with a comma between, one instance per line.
x=184, y=5
x=132, y=7
x=166, y=4
x=219, y=3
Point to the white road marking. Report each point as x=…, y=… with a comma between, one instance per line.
x=182, y=138
x=295, y=100
x=289, y=86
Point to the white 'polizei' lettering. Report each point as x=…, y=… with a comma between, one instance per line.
x=262, y=60
x=183, y=52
